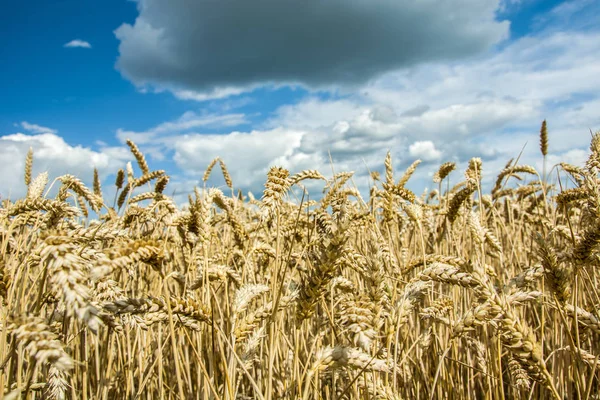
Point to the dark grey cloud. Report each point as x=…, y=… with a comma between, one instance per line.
x=202, y=45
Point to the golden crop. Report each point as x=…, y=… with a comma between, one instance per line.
x=456, y=294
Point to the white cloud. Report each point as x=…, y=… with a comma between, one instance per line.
x=509, y=5
x=575, y=157
x=425, y=151
x=33, y=128
x=247, y=155
x=534, y=69
x=51, y=153
x=189, y=120
x=490, y=107
x=78, y=43
x=314, y=112
x=570, y=14
x=217, y=93
x=505, y=95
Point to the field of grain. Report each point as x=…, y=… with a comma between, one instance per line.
x=455, y=294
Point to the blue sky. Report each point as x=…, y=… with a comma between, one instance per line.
x=278, y=82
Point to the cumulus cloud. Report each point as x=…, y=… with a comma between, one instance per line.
x=504, y=95
x=247, y=154
x=314, y=112
x=52, y=154
x=490, y=107
x=200, y=49
x=425, y=151
x=250, y=154
x=575, y=157
x=78, y=43
x=357, y=143
x=435, y=112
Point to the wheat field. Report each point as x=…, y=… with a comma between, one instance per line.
x=458, y=293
